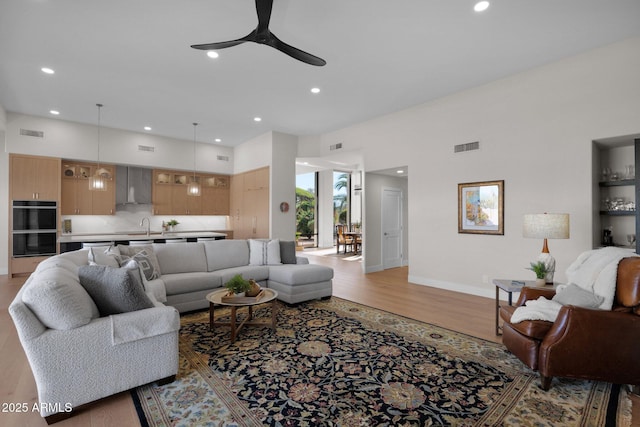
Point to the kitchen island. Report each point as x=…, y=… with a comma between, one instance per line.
x=71, y=242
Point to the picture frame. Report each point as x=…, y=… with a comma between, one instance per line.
x=481, y=207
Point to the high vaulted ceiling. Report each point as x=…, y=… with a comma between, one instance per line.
x=134, y=57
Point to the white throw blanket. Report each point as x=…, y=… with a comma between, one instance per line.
x=595, y=271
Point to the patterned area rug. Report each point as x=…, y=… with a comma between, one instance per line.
x=337, y=363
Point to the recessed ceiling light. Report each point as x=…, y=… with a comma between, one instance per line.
x=400, y=171
x=257, y=119
x=218, y=140
x=47, y=70
x=481, y=6
x=54, y=112
x=212, y=54
x=147, y=128
x=315, y=90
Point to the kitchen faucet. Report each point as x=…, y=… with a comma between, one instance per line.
x=148, y=225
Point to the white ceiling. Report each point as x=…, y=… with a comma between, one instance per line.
x=382, y=56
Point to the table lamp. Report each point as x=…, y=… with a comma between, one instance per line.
x=546, y=226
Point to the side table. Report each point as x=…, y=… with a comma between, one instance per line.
x=511, y=286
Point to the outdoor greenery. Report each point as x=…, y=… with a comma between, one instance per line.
x=305, y=212
x=340, y=200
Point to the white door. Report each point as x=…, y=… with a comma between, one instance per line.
x=391, y=228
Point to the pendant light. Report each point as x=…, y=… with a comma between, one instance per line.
x=97, y=181
x=193, y=189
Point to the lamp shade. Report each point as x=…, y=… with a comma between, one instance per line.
x=546, y=226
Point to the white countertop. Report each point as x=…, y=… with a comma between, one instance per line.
x=69, y=238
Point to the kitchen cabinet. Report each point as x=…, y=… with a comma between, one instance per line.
x=215, y=195
x=78, y=199
x=250, y=204
x=34, y=178
x=183, y=203
x=170, y=194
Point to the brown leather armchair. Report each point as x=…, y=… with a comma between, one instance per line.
x=582, y=343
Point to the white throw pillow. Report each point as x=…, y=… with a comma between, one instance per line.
x=104, y=255
x=264, y=252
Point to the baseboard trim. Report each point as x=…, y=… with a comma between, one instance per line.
x=373, y=268
x=488, y=292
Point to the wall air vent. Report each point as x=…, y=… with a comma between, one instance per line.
x=469, y=146
x=223, y=158
x=335, y=146
x=34, y=133
x=146, y=148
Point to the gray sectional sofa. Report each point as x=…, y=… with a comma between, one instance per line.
x=74, y=301
x=189, y=271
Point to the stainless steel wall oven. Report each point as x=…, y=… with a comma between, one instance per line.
x=34, y=228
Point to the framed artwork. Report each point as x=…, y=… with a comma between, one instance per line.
x=481, y=207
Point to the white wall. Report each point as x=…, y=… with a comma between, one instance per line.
x=325, y=209
x=283, y=186
x=535, y=131
x=80, y=142
x=253, y=154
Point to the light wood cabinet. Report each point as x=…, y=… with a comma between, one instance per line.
x=25, y=265
x=250, y=204
x=34, y=178
x=78, y=199
x=170, y=194
x=215, y=194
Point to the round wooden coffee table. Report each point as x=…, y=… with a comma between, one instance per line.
x=235, y=323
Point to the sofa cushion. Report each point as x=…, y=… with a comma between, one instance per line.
x=181, y=257
x=255, y=272
x=182, y=283
x=264, y=252
x=114, y=290
x=226, y=254
x=300, y=274
x=288, y=252
x=56, y=297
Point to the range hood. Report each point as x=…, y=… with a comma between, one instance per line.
x=133, y=186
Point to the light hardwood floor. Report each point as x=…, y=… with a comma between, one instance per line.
x=388, y=290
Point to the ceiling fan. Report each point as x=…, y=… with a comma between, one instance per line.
x=262, y=35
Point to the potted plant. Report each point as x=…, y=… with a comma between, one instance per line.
x=237, y=285
x=540, y=269
x=171, y=224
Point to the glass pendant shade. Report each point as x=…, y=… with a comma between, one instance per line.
x=193, y=189
x=97, y=181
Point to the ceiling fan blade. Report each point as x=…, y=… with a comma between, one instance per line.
x=294, y=52
x=263, y=9
x=220, y=45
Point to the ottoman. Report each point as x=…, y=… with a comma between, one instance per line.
x=297, y=283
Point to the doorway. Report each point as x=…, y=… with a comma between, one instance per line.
x=392, y=226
